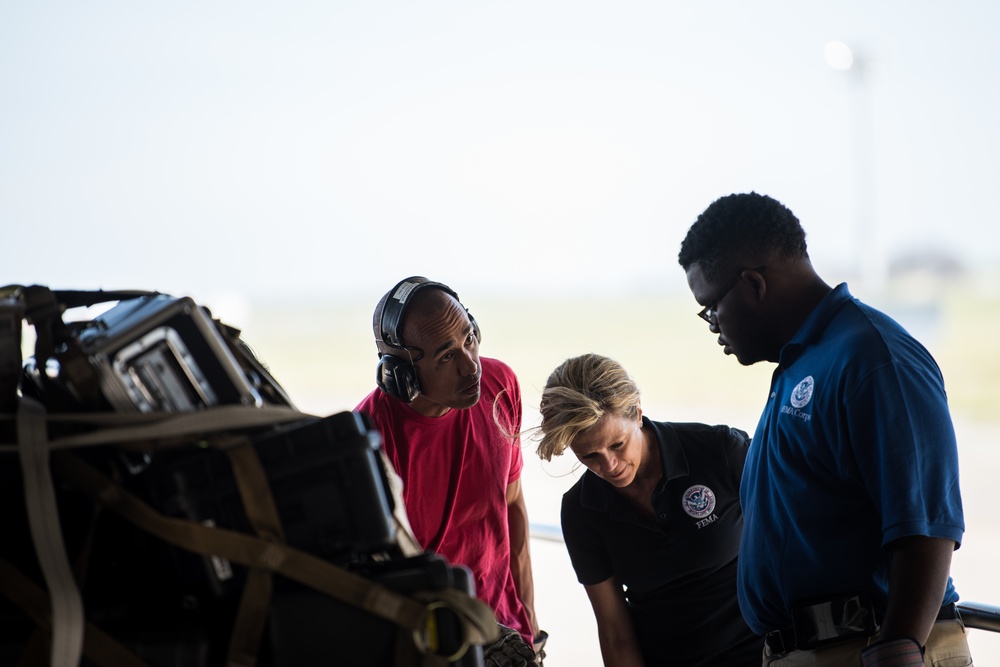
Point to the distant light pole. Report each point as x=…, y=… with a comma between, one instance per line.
x=869, y=262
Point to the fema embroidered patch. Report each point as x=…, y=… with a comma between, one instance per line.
x=698, y=501
x=802, y=393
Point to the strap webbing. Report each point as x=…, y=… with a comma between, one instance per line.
x=46, y=534
x=165, y=428
x=297, y=565
x=262, y=554
x=258, y=503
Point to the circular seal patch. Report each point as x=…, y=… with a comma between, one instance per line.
x=699, y=501
x=802, y=393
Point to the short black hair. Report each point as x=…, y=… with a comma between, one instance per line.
x=739, y=225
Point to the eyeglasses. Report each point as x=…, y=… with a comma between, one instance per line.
x=708, y=312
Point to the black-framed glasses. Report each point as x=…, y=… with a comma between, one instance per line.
x=708, y=312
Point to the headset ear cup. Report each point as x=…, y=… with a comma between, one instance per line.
x=397, y=378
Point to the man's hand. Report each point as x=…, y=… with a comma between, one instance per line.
x=509, y=650
x=539, y=646
x=895, y=653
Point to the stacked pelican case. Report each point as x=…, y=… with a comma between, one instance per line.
x=322, y=498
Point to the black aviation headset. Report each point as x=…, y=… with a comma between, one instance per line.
x=394, y=374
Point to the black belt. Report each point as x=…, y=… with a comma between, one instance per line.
x=783, y=640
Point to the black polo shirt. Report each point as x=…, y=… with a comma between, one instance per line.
x=679, y=570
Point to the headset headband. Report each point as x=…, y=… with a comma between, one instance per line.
x=395, y=304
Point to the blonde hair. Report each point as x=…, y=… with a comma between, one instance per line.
x=578, y=394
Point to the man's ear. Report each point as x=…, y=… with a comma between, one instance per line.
x=758, y=282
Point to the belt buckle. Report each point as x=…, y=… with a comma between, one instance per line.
x=833, y=621
x=775, y=641
x=948, y=612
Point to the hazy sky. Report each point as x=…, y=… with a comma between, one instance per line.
x=261, y=148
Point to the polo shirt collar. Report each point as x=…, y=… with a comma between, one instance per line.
x=673, y=461
x=812, y=329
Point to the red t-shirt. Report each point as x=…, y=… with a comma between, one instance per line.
x=455, y=471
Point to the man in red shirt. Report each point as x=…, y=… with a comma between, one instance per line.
x=447, y=416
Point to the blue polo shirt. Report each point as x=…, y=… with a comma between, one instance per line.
x=679, y=568
x=855, y=449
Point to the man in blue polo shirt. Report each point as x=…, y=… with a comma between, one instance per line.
x=850, y=492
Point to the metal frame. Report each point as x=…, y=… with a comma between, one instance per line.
x=979, y=615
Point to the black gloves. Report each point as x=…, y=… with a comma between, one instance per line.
x=509, y=650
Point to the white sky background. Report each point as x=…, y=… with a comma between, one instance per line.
x=331, y=148
x=239, y=152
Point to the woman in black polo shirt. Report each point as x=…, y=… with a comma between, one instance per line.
x=653, y=525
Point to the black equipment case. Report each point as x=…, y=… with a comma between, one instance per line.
x=160, y=355
x=326, y=479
